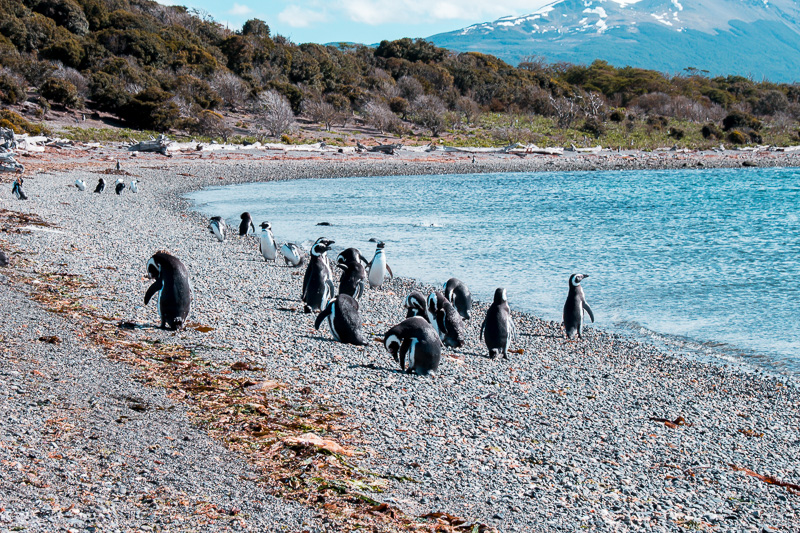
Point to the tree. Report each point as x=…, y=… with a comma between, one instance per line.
x=379, y=116
x=275, y=113
x=321, y=111
x=61, y=92
x=230, y=88
x=213, y=124
x=429, y=112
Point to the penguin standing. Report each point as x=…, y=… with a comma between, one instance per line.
x=3, y=259
x=292, y=254
x=318, y=280
x=80, y=184
x=459, y=296
x=378, y=267
x=344, y=320
x=266, y=244
x=415, y=305
x=351, y=255
x=16, y=189
x=101, y=185
x=415, y=345
x=498, y=326
x=575, y=306
x=218, y=228
x=446, y=320
x=134, y=185
x=119, y=186
x=173, y=288
x=353, y=279
x=246, y=224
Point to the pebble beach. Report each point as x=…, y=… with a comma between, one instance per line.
x=109, y=424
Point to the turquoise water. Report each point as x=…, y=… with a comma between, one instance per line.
x=704, y=259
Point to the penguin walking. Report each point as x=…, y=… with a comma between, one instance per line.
x=344, y=320
x=292, y=254
x=173, y=288
x=351, y=255
x=134, y=185
x=318, y=280
x=378, y=267
x=353, y=280
x=415, y=345
x=446, y=320
x=16, y=189
x=575, y=306
x=101, y=186
x=459, y=296
x=119, y=186
x=266, y=244
x=246, y=224
x=218, y=228
x=80, y=184
x=415, y=305
x=498, y=326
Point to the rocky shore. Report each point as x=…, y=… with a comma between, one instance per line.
x=252, y=420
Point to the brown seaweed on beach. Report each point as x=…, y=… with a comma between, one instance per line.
x=672, y=424
x=794, y=489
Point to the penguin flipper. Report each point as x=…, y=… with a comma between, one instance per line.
x=359, y=289
x=588, y=310
x=513, y=328
x=404, y=347
x=154, y=288
x=390, y=270
x=306, y=279
x=322, y=315
x=441, y=321
x=483, y=327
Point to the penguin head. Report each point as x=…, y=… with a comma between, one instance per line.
x=381, y=244
x=245, y=216
x=120, y=180
x=432, y=303
x=154, y=267
x=500, y=295
x=321, y=246
x=266, y=226
x=392, y=344
x=102, y=180
x=575, y=279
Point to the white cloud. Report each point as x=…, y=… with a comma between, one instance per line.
x=375, y=12
x=239, y=9
x=301, y=17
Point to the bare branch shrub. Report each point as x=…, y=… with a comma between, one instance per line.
x=274, y=113
x=429, y=112
x=321, y=111
x=565, y=111
x=378, y=115
x=230, y=88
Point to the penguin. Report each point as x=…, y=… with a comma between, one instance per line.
x=344, y=320
x=3, y=259
x=134, y=185
x=353, y=279
x=173, y=288
x=119, y=186
x=415, y=305
x=101, y=185
x=246, y=224
x=218, y=228
x=575, y=306
x=80, y=184
x=459, y=296
x=266, y=244
x=498, y=326
x=292, y=254
x=378, y=267
x=445, y=320
x=118, y=165
x=351, y=255
x=16, y=189
x=415, y=345
x=318, y=280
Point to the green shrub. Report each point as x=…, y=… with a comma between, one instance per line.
x=593, y=126
x=755, y=137
x=11, y=88
x=711, y=130
x=69, y=51
x=657, y=122
x=738, y=119
x=9, y=119
x=676, y=133
x=151, y=109
x=618, y=115
x=737, y=137
x=61, y=92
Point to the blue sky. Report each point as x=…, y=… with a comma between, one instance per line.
x=364, y=21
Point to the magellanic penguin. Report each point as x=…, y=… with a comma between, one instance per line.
x=119, y=186
x=3, y=259
x=292, y=254
x=351, y=255
x=415, y=345
x=446, y=320
x=101, y=185
x=344, y=320
x=218, y=228
x=353, y=279
x=134, y=185
x=415, y=305
x=266, y=244
x=574, y=307
x=246, y=224
x=318, y=285
x=80, y=184
x=459, y=296
x=498, y=326
x=173, y=288
x=16, y=189
x=378, y=267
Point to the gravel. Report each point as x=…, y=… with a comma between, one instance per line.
x=559, y=437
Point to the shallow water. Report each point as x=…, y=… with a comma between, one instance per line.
x=706, y=258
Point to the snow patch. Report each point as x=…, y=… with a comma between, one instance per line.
x=678, y=5
x=662, y=19
x=624, y=3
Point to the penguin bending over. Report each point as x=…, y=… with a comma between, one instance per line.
x=575, y=306
x=246, y=224
x=351, y=255
x=498, y=326
x=218, y=228
x=173, y=288
x=353, y=279
x=318, y=280
x=459, y=296
x=292, y=254
x=344, y=320
x=266, y=244
x=119, y=186
x=134, y=185
x=446, y=320
x=80, y=184
x=101, y=186
x=16, y=189
x=378, y=267
x=415, y=305
x=415, y=345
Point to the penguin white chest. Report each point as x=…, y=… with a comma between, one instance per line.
x=268, y=248
x=377, y=271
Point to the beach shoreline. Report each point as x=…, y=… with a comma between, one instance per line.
x=560, y=436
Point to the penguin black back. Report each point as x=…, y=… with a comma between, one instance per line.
x=246, y=224
x=101, y=185
x=173, y=288
x=353, y=279
x=351, y=255
x=318, y=285
x=415, y=305
x=498, y=326
x=575, y=306
x=344, y=320
x=459, y=296
x=415, y=345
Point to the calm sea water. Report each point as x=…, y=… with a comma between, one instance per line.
x=705, y=260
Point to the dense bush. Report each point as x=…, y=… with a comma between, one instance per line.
x=9, y=119
x=676, y=133
x=709, y=131
x=738, y=119
x=737, y=137
x=12, y=88
x=151, y=109
x=60, y=91
x=593, y=126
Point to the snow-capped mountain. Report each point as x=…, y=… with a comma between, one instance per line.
x=757, y=38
